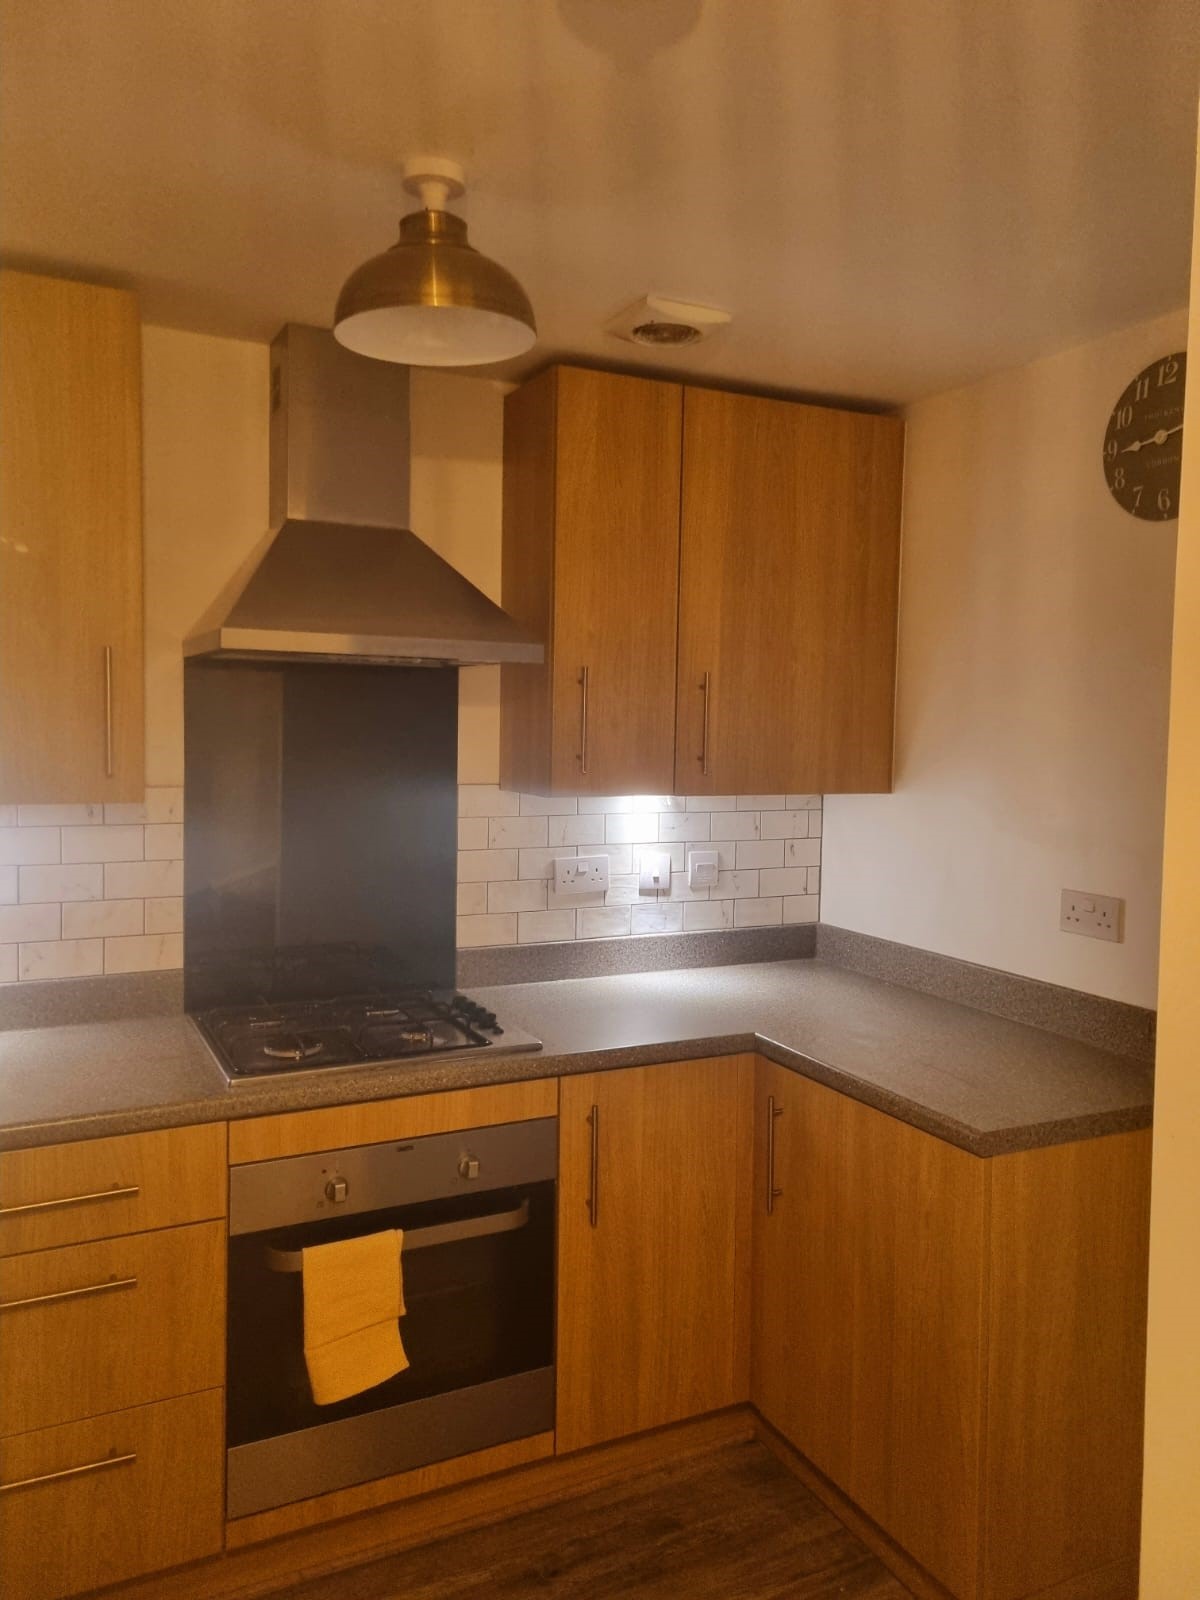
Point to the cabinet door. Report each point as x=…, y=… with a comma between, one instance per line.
x=70, y=543
x=653, y=1311
x=787, y=603
x=591, y=558
x=868, y=1312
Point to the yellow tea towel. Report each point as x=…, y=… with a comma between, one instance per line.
x=353, y=1297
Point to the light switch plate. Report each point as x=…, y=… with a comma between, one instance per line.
x=1097, y=916
x=654, y=875
x=580, y=874
x=702, y=869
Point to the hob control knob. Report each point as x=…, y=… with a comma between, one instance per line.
x=468, y=1167
x=337, y=1190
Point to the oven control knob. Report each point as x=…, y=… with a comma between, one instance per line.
x=468, y=1167
x=336, y=1190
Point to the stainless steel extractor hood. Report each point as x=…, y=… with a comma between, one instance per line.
x=343, y=578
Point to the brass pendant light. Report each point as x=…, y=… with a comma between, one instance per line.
x=432, y=300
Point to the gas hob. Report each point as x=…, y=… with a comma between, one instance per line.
x=276, y=1038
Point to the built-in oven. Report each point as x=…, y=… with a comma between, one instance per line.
x=477, y=1210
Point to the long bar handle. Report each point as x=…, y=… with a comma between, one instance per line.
x=70, y=1200
x=425, y=1238
x=108, y=711
x=69, y=1472
x=69, y=1294
x=773, y=1194
x=706, y=690
x=593, y=1203
x=584, y=676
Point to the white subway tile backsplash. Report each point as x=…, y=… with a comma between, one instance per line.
x=517, y=833
x=63, y=958
x=575, y=830
x=76, y=882
x=105, y=844
x=164, y=841
x=663, y=917
x=602, y=922
x=522, y=894
x=91, y=889
x=801, y=908
x=99, y=919
x=486, y=800
x=151, y=952
x=757, y=913
x=760, y=853
x=29, y=846
x=475, y=931
x=545, y=927
x=481, y=866
x=472, y=898
x=142, y=880
x=473, y=833
x=631, y=827
x=707, y=916
x=21, y=923
x=164, y=915
x=57, y=816
x=803, y=852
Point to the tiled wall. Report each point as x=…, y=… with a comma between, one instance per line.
x=768, y=847
x=91, y=889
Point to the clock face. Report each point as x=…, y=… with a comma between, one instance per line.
x=1143, y=447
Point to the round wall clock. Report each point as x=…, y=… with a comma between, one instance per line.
x=1143, y=445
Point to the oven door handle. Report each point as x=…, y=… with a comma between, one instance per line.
x=423, y=1238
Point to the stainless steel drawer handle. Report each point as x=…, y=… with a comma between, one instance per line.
x=773, y=1194
x=108, y=711
x=70, y=1200
x=593, y=1203
x=69, y=1294
x=424, y=1238
x=69, y=1472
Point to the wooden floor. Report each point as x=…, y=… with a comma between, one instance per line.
x=731, y=1525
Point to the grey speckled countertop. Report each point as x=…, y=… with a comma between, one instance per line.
x=976, y=1080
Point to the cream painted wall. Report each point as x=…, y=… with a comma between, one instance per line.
x=1035, y=625
x=1171, y=1505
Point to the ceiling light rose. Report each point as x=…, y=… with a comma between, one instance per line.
x=432, y=300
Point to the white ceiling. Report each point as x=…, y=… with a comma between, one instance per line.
x=891, y=196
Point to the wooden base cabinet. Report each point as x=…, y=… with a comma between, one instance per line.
x=956, y=1343
x=95, y=1502
x=654, y=1246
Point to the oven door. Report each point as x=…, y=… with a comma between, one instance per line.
x=478, y=1332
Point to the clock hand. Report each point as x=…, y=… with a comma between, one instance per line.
x=1160, y=437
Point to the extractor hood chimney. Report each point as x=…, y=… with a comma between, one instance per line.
x=344, y=579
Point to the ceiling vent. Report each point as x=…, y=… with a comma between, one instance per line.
x=664, y=324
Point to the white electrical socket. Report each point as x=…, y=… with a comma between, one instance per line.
x=702, y=869
x=655, y=873
x=580, y=874
x=1097, y=916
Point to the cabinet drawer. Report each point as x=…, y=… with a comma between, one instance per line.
x=100, y=1501
x=67, y=1193
x=102, y=1327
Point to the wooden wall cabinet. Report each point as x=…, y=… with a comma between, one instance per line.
x=716, y=577
x=591, y=560
x=654, y=1246
x=71, y=679
x=955, y=1343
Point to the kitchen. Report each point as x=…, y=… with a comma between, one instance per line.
x=849, y=1319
